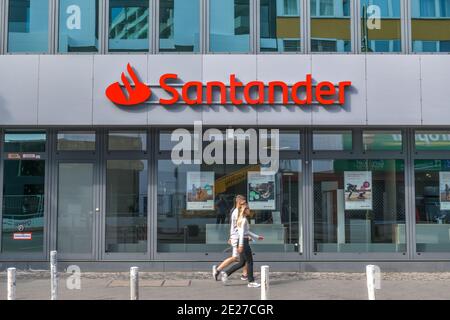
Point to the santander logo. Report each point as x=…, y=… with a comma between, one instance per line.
x=134, y=96
x=236, y=93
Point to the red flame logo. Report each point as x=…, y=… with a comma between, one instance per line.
x=132, y=96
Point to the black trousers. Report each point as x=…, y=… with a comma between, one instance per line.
x=245, y=257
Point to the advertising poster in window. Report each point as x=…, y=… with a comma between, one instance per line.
x=358, y=190
x=200, y=191
x=444, y=190
x=261, y=191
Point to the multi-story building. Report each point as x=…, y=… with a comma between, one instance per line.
x=93, y=91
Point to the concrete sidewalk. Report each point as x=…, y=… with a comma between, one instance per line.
x=200, y=286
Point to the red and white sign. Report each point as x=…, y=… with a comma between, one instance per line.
x=22, y=236
x=304, y=92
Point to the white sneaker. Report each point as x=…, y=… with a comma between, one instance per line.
x=253, y=285
x=224, y=277
x=214, y=272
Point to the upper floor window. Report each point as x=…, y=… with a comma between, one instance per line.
x=128, y=25
x=179, y=25
x=380, y=26
x=229, y=26
x=78, y=26
x=430, y=25
x=28, y=26
x=280, y=25
x=330, y=26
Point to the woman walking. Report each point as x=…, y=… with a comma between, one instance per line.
x=239, y=201
x=244, y=250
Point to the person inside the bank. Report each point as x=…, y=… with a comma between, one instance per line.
x=244, y=249
x=239, y=201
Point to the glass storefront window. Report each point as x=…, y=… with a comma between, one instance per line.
x=432, y=140
x=75, y=207
x=194, y=204
x=382, y=140
x=23, y=206
x=127, y=141
x=279, y=25
x=128, y=25
x=179, y=26
x=126, y=206
x=28, y=26
x=78, y=26
x=76, y=141
x=430, y=25
x=359, y=206
x=432, y=205
x=380, y=26
x=332, y=141
x=229, y=26
x=330, y=26
x=25, y=142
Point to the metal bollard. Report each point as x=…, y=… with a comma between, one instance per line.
x=265, y=283
x=54, y=275
x=134, y=283
x=373, y=280
x=11, y=283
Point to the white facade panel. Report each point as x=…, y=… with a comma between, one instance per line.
x=338, y=68
x=435, y=89
x=290, y=69
x=19, y=90
x=393, y=90
x=65, y=90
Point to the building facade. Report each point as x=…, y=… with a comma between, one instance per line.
x=87, y=125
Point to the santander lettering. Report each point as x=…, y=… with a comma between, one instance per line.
x=304, y=92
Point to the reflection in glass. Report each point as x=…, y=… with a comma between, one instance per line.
x=75, y=207
x=127, y=141
x=332, y=140
x=229, y=26
x=78, y=26
x=341, y=224
x=432, y=140
x=76, y=141
x=128, y=25
x=330, y=26
x=23, y=206
x=28, y=26
x=280, y=25
x=380, y=26
x=183, y=230
x=382, y=140
x=179, y=25
x=432, y=205
x=126, y=206
x=430, y=25
x=25, y=142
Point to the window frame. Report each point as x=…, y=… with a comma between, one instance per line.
x=201, y=24
x=50, y=31
x=301, y=26
x=151, y=31
x=403, y=31
x=100, y=27
x=358, y=153
x=353, y=31
x=252, y=33
x=44, y=156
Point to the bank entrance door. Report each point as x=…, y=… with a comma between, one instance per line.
x=78, y=210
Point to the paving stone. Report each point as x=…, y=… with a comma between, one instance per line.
x=177, y=283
